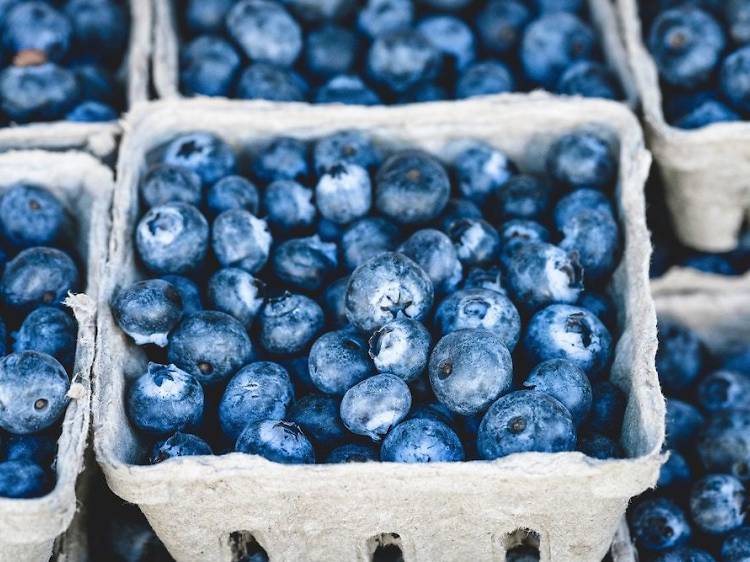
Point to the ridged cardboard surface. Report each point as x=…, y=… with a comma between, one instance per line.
x=28, y=527
x=447, y=512
x=704, y=171
x=166, y=56
x=99, y=139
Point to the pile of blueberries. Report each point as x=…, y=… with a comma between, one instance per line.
x=365, y=305
x=370, y=52
x=38, y=357
x=58, y=58
x=702, y=52
x=697, y=513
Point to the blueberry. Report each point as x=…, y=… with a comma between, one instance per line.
x=170, y=184
x=561, y=379
x=446, y=5
x=100, y=29
x=283, y=158
x=736, y=545
x=683, y=422
x=172, y=238
x=421, y=441
x=204, y=153
x=259, y=391
x=594, y=237
x=581, y=201
x=469, y=370
x=723, y=390
x=96, y=83
x=367, y=238
x=338, y=361
x=209, y=66
x=334, y=302
x=232, y=192
x=457, y=209
x=401, y=59
x=23, y=479
x=36, y=26
x=318, y=416
x=538, y=274
x=674, y=472
x=490, y=278
x=305, y=263
x=289, y=323
x=387, y=287
x=40, y=448
x=607, y=409
x=711, y=263
x=519, y=230
x=551, y=44
x=402, y=348
x=352, y=452
x=424, y=92
x=330, y=50
x=383, y=16
x=38, y=276
x=735, y=79
x=599, y=447
x=375, y=405
x=572, y=333
x=717, y=503
x=31, y=216
x=582, y=159
x=658, y=524
x=209, y=345
x=500, y=25
x=738, y=361
x=344, y=193
x=588, y=79
x=480, y=308
x=525, y=421
x=189, y=293
x=476, y=241
x=262, y=81
x=236, y=292
x=33, y=391
x=178, y=445
x=481, y=170
x=686, y=44
x=289, y=205
x=265, y=31
x=346, y=89
x=724, y=443
x=434, y=252
x=345, y=147
x=452, y=37
x=276, y=440
x=165, y=399
x=316, y=10
x=484, y=78
x=91, y=112
x=207, y=16
x=44, y=92
x=679, y=358
x=522, y=197
x=240, y=239
x=737, y=16
x=685, y=554
x=435, y=411
x=51, y=331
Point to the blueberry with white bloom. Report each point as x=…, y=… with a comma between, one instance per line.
x=38, y=276
x=232, y=192
x=566, y=382
x=204, y=153
x=49, y=330
x=318, y=416
x=659, y=524
x=722, y=390
x=40, y=448
x=381, y=16
x=23, y=479
x=305, y=263
x=289, y=206
x=236, y=292
x=330, y=50
x=172, y=238
x=189, y=292
x=178, y=444
x=240, y=239
x=263, y=81
x=481, y=170
x=208, y=66
x=259, y=391
x=595, y=238
x=582, y=159
x=346, y=89
x=500, y=24
x=375, y=405
x=31, y=216
x=736, y=545
x=339, y=360
x=457, y=209
x=434, y=252
x=366, y=238
x=724, y=443
x=402, y=348
x=165, y=399
x=284, y=158
x=476, y=241
x=484, y=78
x=352, y=452
x=387, y=287
x=148, y=310
x=581, y=201
x=679, y=358
x=683, y=422
x=717, y=503
x=452, y=37
x=469, y=370
x=344, y=193
x=345, y=147
x=480, y=308
x=675, y=472
x=276, y=440
x=422, y=441
x=398, y=60
x=265, y=31
x=523, y=197
x=165, y=183
x=485, y=278
x=289, y=323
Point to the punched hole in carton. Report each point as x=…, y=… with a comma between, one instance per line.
x=245, y=548
x=522, y=545
x=385, y=547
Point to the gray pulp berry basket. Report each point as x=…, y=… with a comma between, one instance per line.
x=29, y=527
x=201, y=507
x=98, y=138
x=705, y=171
x=165, y=66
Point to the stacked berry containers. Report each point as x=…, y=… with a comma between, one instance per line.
x=69, y=70
x=29, y=527
x=705, y=168
x=202, y=506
